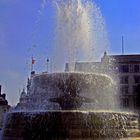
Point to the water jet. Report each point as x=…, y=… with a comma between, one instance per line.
x=61, y=111
x=72, y=105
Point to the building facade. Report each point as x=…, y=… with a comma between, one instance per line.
x=4, y=107
x=128, y=72
x=125, y=69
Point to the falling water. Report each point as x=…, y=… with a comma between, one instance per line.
x=56, y=102
x=80, y=32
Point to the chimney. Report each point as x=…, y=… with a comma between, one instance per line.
x=0, y=89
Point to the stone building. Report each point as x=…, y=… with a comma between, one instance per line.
x=128, y=67
x=22, y=105
x=125, y=69
x=25, y=96
x=4, y=107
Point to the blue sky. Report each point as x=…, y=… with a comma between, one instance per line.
x=122, y=18
x=26, y=28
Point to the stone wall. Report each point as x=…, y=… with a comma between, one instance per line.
x=3, y=110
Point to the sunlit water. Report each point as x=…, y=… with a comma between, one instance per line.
x=80, y=32
x=79, y=36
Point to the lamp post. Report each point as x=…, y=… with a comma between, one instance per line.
x=47, y=64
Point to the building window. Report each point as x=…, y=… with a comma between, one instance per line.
x=125, y=102
x=136, y=68
x=137, y=79
x=124, y=90
x=124, y=80
x=136, y=102
x=124, y=68
x=135, y=89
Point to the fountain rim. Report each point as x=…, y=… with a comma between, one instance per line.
x=67, y=74
x=75, y=72
x=73, y=111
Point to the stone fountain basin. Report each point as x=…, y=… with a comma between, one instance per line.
x=48, y=90
x=60, y=125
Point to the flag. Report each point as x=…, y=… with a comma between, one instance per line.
x=33, y=61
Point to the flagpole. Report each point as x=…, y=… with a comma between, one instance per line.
x=31, y=67
x=32, y=64
x=48, y=65
x=122, y=45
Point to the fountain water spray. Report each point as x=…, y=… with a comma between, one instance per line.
x=73, y=105
x=80, y=32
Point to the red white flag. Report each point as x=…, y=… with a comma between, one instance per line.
x=33, y=61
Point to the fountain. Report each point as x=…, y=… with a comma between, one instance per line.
x=71, y=105
x=58, y=109
x=70, y=124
